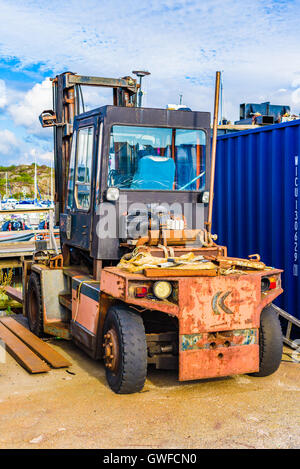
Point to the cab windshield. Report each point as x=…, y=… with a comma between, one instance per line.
x=151, y=158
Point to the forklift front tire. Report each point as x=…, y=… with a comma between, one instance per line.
x=270, y=342
x=34, y=305
x=125, y=350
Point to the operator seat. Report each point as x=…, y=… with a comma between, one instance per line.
x=154, y=173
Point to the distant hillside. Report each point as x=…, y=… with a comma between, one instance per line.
x=21, y=180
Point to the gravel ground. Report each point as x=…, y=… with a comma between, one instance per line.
x=63, y=410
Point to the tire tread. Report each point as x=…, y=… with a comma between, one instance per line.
x=134, y=356
x=34, y=282
x=270, y=342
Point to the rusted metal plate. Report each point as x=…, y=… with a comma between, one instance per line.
x=58, y=329
x=42, y=349
x=22, y=354
x=219, y=303
x=211, y=363
x=14, y=294
x=113, y=282
x=179, y=251
x=208, y=340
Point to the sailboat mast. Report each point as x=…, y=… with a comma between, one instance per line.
x=51, y=183
x=35, y=180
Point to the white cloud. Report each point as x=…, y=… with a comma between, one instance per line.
x=296, y=81
x=26, y=111
x=3, y=96
x=47, y=157
x=40, y=155
x=8, y=143
x=296, y=96
x=254, y=42
x=14, y=150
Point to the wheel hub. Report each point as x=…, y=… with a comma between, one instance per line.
x=111, y=350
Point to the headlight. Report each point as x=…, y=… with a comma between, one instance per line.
x=162, y=289
x=205, y=197
x=112, y=194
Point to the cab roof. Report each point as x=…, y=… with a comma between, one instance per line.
x=152, y=117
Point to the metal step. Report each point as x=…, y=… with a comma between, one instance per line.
x=72, y=272
x=58, y=329
x=65, y=300
x=291, y=321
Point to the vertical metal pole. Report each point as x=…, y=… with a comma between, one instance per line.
x=221, y=99
x=213, y=152
x=140, y=93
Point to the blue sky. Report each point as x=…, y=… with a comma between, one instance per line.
x=182, y=43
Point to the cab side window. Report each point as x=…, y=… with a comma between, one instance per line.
x=84, y=168
x=70, y=190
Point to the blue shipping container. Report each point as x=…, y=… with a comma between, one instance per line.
x=256, y=203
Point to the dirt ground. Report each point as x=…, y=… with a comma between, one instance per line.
x=63, y=410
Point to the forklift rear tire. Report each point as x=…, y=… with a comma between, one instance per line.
x=125, y=341
x=270, y=342
x=34, y=305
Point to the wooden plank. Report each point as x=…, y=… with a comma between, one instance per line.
x=161, y=272
x=42, y=349
x=14, y=294
x=22, y=354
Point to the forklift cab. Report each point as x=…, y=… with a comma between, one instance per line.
x=142, y=156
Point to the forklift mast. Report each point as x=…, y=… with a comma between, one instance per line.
x=68, y=103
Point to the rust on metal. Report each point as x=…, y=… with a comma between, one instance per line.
x=201, y=310
x=177, y=238
x=164, y=272
x=211, y=363
x=214, y=340
x=228, y=262
x=56, y=262
x=42, y=349
x=179, y=251
x=58, y=329
x=111, y=350
x=22, y=354
x=115, y=281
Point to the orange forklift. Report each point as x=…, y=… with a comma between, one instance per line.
x=140, y=280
